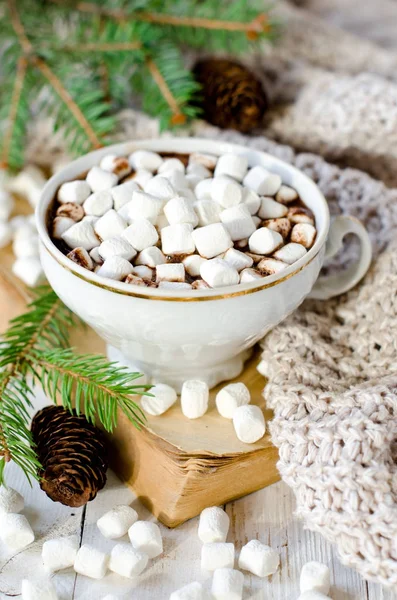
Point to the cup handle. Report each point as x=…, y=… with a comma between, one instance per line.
x=329, y=286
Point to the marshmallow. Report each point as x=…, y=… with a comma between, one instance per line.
x=259, y=559
x=11, y=501
x=118, y=165
x=229, y=398
x=122, y=194
x=238, y=260
x=212, y=240
x=146, y=537
x=249, y=423
x=110, y=597
x=241, y=244
x=271, y=266
x=90, y=219
x=208, y=160
x=17, y=222
x=290, y=253
x=81, y=257
x=15, y=531
x=217, y=555
x=315, y=577
x=5, y=234
x=208, y=211
x=257, y=221
x=99, y=180
x=110, y=225
x=81, y=234
x=177, y=179
x=282, y=226
x=116, y=522
x=116, y=246
x=265, y=241
x=226, y=191
x=218, y=273
x=175, y=285
x=162, y=398
x=38, y=590
x=60, y=553
x=160, y=187
x=270, y=209
x=116, y=268
x=193, y=179
x=6, y=204
x=145, y=159
x=71, y=210
x=132, y=279
x=98, y=203
x=203, y=189
x=143, y=271
x=26, y=248
x=199, y=170
x=313, y=595
x=150, y=257
x=233, y=165
x=178, y=239
x=286, y=194
x=213, y=525
x=142, y=206
x=141, y=234
x=170, y=272
x=194, y=398
x=127, y=561
x=251, y=200
x=29, y=270
x=171, y=164
x=161, y=222
x=248, y=275
x=193, y=264
x=192, y=591
x=238, y=222
x=227, y=584
x=262, y=181
x=25, y=231
x=29, y=183
x=200, y=284
x=60, y=225
x=142, y=176
x=180, y=210
x=303, y=233
x=95, y=255
x=91, y=562
x=299, y=214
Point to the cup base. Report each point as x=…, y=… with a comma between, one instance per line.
x=154, y=374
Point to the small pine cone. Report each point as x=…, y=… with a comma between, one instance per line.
x=232, y=97
x=73, y=454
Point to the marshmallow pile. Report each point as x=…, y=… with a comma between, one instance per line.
x=181, y=222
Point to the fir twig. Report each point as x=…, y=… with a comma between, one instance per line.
x=14, y=106
x=178, y=118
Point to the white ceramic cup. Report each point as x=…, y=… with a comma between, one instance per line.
x=172, y=336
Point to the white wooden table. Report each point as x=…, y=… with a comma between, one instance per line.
x=266, y=515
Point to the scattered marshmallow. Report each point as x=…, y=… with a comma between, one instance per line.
x=281, y=225
x=38, y=590
x=146, y=536
x=60, y=553
x=5, y=234
x=193, y=264
x=29, y=183
x=271, y=266
x=212, y=240
x=81, y=257
x=248, y=275
x=110, y=225
x=178, y=239
x=60, y=225
x=151, y=257
x=259, y=559
x=229, y=398
x=29, y=270
x=226, y=191
x=15, y=531
x=194, y=398
x=116, y=268
x=171, y=164
x=265, y=241
x=145, y=159
x=6, y=204
x=227, y=584
x=98, y=203
x=141, y=234
x=270, y=209
x=116, y=246
x=249, y=423
x=238, y=222
x=91, y=562
x=26, y=248
x=203, y=189
x=162, y=398
x=122, y=194
x=117, y=521
x=160, y=187
x=303, y=233
x=11, y=501
x=99, y=180
x=192, y=591
x=81, y=234
x=213, y=525
x=219, y=273
x=208, y=160
x=262, y=181
x=233, y=165
x=315, y=577
x=290, y=253
x=238, y=260
x=170, y=272
x=127, y=561
x=180, y=210
x=118, y=165
x=217, y=555
x=286, y=194
x=208, y=212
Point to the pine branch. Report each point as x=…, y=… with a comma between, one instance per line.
x=14, y=109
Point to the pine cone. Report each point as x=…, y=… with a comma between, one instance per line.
x=232, y=97
x=73, y=455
